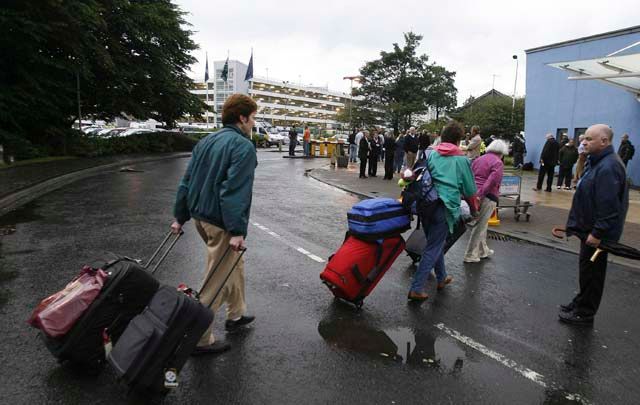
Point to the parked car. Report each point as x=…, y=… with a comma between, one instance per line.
x=276, y=138
x=133, y=131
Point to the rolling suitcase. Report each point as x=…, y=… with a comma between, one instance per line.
x=357, y=267
x=417, y=240
x=127, y=290
x=157, y=343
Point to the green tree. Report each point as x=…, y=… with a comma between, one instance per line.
x=402, y=84
x=494, y=116
x=130, y=57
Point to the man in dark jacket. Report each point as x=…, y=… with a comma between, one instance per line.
x=411, y=147
x=216, y=192
x=363, y=154
x=568, y=156
x=389, y=151
x=548, y=162
x=293, y=141
x=424, y=140
x=374, y=153
x=519, y=149
x=626, y=149
x=599, y=209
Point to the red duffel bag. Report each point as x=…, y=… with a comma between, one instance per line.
x=56, y=314
x=357, y=267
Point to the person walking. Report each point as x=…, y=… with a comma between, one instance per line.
x=398, y=160
x=389, y=151
x=306, y=139
x=374, y=153
x=353, y=146
x=519, y=148
x=293, y=140
x=452, y=177
x=582, y=159
x=568, y=156
x=381, y=141
x=487, y=170
x=424, y=141
x=216, y=191
x=363, y=153
x=473, y=147
x=599, y=209
x=411, y=147
x=548, y=161
x=626, y=150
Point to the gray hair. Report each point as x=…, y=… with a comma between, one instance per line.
x=499, y=147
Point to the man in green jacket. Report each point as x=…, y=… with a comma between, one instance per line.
x=216, y=192
x=453, y=179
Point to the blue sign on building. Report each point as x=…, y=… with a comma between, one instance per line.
x=606, y=90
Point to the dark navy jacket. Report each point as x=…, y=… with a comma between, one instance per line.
x=601, y=200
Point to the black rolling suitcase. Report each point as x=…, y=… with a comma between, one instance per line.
x=158, y=342
x=127, y=290
x=417, y=240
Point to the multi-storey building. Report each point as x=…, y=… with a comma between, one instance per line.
x=282, y=103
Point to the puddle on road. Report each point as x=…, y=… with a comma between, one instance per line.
x=422, y=347
x=9, y=221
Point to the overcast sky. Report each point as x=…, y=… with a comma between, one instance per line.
x=320, y=42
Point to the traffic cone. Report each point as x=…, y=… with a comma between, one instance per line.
x=494, y=220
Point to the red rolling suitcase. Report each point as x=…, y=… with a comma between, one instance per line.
x=357, y=267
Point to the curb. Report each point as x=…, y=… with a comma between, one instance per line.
x=26, y=195
x=631, y=264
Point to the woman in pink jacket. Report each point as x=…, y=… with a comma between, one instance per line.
x=487, y=170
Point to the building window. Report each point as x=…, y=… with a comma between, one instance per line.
x=560, y=132
x=577, y=132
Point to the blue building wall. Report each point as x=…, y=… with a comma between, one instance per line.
x=553, y=102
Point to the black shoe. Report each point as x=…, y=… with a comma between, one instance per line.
x=363, y=177
x=567, y=307
x=575, y=319
x=548, y=190
x=233, y=325
x=219, y=346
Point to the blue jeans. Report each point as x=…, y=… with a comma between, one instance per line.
x=436, y=230
x=305, y=148
x=353, y=152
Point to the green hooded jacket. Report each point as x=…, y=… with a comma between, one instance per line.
x=452, y=177
x=217, y=186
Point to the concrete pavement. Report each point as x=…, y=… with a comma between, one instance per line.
x=549, y=210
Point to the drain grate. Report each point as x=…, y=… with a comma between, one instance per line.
x=500, y=237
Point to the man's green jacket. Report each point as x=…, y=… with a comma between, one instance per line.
x=217, y=185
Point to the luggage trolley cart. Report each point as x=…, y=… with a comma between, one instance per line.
x=510, y=190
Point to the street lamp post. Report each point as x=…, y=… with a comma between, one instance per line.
x=515, y=84
x=351, y=79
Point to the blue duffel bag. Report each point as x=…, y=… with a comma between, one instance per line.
x=378, y=218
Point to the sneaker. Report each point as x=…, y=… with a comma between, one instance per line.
x=489, y=253
x=233, y=325
x=444, y=282
x=567, y=188
x=558, y=188
x=575, y=319
x=471, y=260
x=417, y=297
x=217, y=347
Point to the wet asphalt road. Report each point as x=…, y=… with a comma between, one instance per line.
x=492, y=337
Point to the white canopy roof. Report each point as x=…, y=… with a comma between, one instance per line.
x=620, y=71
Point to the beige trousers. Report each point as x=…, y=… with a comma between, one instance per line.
x=477, y=246
x=232, y=293
x=411, y=160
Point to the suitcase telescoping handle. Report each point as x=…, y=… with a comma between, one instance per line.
x=166, y=251
x=242, y=250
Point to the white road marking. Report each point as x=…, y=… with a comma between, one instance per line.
x=524, y=371
x=290, y=244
